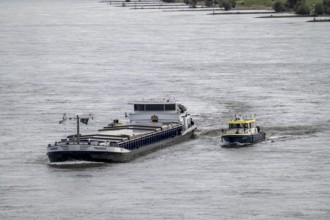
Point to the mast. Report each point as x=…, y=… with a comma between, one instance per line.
x=83, y=119
x=78, y=129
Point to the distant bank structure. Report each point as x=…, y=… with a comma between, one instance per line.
x=230, y=7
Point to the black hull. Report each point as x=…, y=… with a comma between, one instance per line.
x=244, y=139
x=112, y=157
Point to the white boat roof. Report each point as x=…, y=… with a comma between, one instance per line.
x=155, y=101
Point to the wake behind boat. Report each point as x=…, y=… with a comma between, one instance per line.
x=153, y=125
x=243, y=131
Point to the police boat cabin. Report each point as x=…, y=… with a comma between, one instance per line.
x=153, y=125
x=243, y=131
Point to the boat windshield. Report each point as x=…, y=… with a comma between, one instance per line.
x=235, y=126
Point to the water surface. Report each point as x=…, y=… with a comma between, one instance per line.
x=85, y=56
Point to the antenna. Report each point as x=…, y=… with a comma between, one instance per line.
x=82, y=119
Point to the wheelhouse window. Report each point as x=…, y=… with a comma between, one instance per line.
x=154, y=107
x=170, y=107
x=237, y=126
x=139, y=107
x=233, y=126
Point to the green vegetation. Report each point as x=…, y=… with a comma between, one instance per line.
x=326, y=4
x=291, y=3
x=279, y=6
x=319, y=9
x=260, y=4
x=304, y=7
x=208, y=3
x=257, y=4
x=227, y=4
x=191, y=3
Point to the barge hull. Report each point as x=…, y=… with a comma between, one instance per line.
x=116, y=157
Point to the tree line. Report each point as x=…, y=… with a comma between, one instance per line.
x=302, y=8
x=298, y=6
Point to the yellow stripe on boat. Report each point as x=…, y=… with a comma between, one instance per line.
x=237, y=135
x=241, y=122
x=119, y=124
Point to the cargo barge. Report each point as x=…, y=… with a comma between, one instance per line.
x=153, y=125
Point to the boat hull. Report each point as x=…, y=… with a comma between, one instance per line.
x=116, y=157
x=244, y=139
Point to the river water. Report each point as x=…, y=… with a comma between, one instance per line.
x=82, y=56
